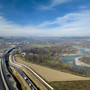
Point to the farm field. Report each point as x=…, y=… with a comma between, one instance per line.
x=50, y=74
x=42, y=45
x=71, y=85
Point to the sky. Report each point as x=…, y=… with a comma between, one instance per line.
x=52, y=18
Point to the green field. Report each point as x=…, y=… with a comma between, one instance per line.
x=42, y=45
x=71, y=85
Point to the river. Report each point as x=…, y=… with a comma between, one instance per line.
x=70, y=60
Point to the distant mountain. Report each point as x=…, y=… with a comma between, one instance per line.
x=1, y=38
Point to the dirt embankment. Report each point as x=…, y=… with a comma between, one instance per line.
x=50, y=74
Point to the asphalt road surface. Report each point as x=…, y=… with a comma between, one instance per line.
x=27, y=79
x=9, y=80
x=2, y=87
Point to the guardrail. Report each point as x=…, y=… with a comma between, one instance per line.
x=30, y=70
x=35, y=75
x=2, y=72
x=6, y=86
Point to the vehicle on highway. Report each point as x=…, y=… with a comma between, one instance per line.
x=30, y=84
x=33, y=89
x=25, y=78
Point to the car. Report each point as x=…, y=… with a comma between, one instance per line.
x=25, y=78
x=33, y=89
x=30, y=84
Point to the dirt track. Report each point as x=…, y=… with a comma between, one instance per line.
x=50, y=74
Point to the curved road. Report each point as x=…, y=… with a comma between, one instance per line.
x=23, y=74
x=26, y=78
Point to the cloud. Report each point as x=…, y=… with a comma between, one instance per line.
x=52, y=4
x=71, y=24
x=77, y=19
x=83, y=7
x=8, y=28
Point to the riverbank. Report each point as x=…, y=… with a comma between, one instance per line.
x=74, y=54
x=67, y=55
x=79, y=63
x=87, y=49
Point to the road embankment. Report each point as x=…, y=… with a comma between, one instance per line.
x=30, y=75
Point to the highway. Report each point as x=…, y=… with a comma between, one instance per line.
x=26, y=78
x=2, y=87
x=8, y=78
x=34, y=74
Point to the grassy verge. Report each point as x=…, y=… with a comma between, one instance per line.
x=71, y=85
x=16, y=80
x=11, y=72
x=24, y=86
x=53, y=68
x=42, y=45
x=20, y=83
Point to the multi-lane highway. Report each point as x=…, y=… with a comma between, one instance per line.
x=44, y=84
x=9, y=80
x=7, y=77
x=2, y=87
x=26, y=78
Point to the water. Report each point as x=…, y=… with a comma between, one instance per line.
x=70, y=60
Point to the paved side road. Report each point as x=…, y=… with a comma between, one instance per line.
x=2, y=87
